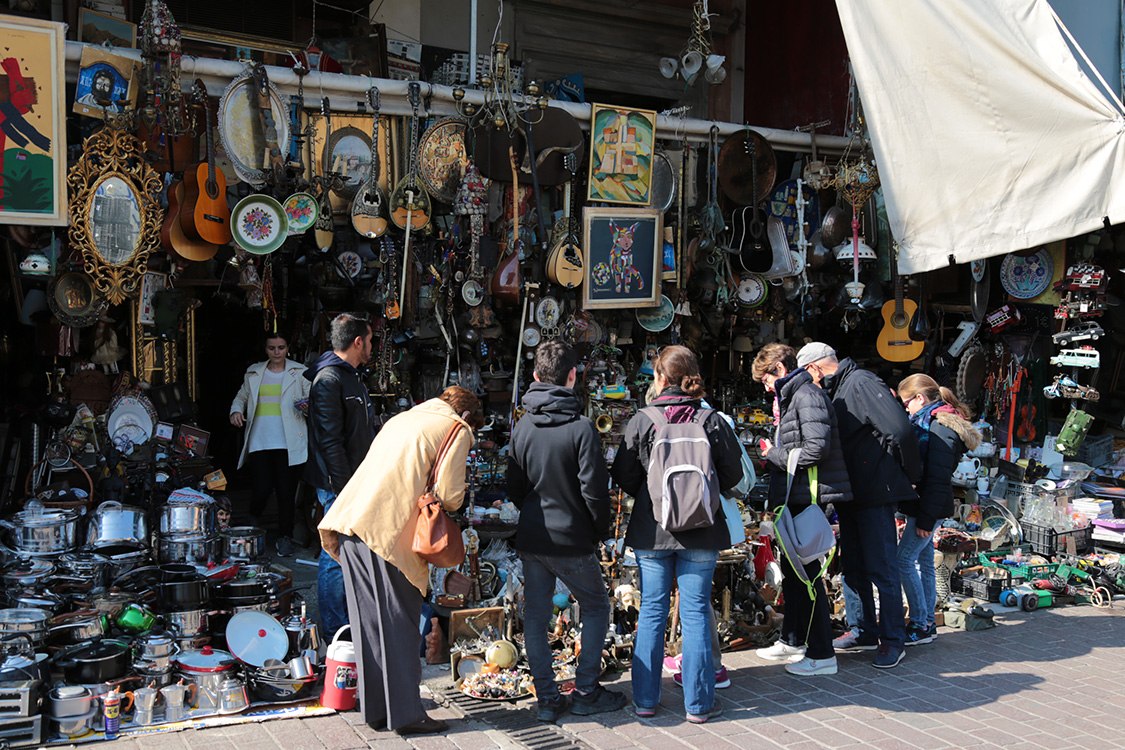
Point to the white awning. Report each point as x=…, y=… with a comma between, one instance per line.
x=988, y=136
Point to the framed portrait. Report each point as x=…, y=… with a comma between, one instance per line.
x=622, y=144
x=106, y=83
x=98, y=28
x=164, y=432
x=624, y=257
x=33, y=136
x=152, y=283
x=193, y=440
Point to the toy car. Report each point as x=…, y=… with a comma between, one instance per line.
x=1072, y=307
x=1066, y=387
x=1084, y=277
x=1081, y=331
x=1087, y=356
x=759, y=417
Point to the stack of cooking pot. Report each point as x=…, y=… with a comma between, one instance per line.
x=153, y=656
x=38, y=531
x=187, y=531
x=184, y=597
x=244, y=544
x=119, y=534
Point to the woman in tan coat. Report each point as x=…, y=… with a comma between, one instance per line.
x=370, y=528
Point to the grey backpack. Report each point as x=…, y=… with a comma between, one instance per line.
x=681, y=473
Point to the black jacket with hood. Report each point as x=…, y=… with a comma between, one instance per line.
x=880, y=445
x=630, y=470
x=950, y=436
x=557, y=475
x=808, y=422
x=341, y=423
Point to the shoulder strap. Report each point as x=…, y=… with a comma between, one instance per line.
x=440, y=457
x=656, y=414
x=791, y=473
x=701, y=415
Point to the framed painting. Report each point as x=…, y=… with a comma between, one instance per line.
x=347, y=152
x=106, y=83
x=32, y=122
x=151, y=283
x=98, y=28
x=622, y=144
x=624, y=257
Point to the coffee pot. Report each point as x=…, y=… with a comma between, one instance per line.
x=965, y=475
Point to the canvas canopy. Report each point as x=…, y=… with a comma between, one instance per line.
x=988, y=135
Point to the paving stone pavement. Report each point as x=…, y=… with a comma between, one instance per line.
x=1049, y=679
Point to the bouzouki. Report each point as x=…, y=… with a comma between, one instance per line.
x=369, y=204
x=564, y=263
x=172, y=236
x=205, y=215
x=410, y=205
x=894, y=343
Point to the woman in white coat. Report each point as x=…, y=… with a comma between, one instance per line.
x=272, y=404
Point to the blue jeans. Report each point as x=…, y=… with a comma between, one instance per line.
x=868, y=551
x=692, y=569
x=330, y=595
x=916, y=568
x=582, y=575
x=852, y=606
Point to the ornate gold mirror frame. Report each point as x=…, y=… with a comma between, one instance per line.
x=115, y=214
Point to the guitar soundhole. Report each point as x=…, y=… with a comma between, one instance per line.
x=899, y=320
x=212, y=189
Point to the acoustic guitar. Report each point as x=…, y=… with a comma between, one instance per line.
x=564, y=263
x=369, y=204
x=747, y=241
x=894, y=343
x=410, y=204
x=172, y=236
x=205, y=215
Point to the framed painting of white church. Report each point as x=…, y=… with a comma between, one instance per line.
x=621, y=152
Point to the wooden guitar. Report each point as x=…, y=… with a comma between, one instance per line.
x=369, y=204
x=410, y=204
x=172, y=236
x=206, y=216
x=894, y=343
x=564, y=263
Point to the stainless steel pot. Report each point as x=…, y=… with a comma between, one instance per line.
x=124, y=557
x=114, y=523
x=42, y=531
x=187, y=516
x=207, y=669
x=70, y=700
x=188, y=548
x=89, y=566
x=244, y=543
x=86, y=627
x=154, y=645
x=27, y=622
x=187, y=623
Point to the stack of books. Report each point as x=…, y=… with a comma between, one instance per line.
x=1110, y=530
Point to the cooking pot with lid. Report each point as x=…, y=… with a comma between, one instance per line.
x=94, y=662
x=188, y=514
x=243, y=543
x=42, y=531
x=114, y=523
x=197, y=549
x=32, y=623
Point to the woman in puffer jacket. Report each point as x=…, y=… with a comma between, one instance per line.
x=806, y=422
x=944, y=433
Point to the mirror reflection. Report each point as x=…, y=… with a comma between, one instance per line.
x=115, y=217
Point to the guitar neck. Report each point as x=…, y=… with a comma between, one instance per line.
x=210, y=146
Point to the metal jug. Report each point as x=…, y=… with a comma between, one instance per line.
x=232, y=697
x=177, y=695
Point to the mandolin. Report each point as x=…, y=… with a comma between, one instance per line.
x=564, y=263
x=369, y=204
x=410, y=204
x=172, y=236
x=205, y=215
x=894, y=343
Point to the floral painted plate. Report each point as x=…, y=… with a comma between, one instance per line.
x=1025, y=277
x=301, y=209
x=259, y=224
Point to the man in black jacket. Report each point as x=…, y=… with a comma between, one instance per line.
x=557, y=477
x=881, y=453
x=341, y=427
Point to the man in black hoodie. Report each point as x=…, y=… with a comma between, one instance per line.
x=881, y=453
x=557, y=477
x=341, y=427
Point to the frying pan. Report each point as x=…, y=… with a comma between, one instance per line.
x=978, y=295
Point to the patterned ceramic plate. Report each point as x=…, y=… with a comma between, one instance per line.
x=657, y=318
x=351, y=262
x=301, y=210
x=1028, y=276
x=259, y=224
x=442, y=158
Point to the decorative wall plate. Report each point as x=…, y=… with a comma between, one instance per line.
x=350, y=262
x=442, y=158
x=74, y=301
x=657, y=318
x=752, y=290
x=240, y=127
x=1028, y=276
x=259, y=225
x=301, y=210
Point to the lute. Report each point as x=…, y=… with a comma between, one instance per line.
x=410, y=204
x=564, y=264
x=894, y=343
x=369, y=204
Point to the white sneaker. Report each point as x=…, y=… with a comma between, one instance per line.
x=782, y=651
x=809, y=667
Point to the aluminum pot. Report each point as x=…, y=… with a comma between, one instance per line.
x=154, y=646
x=244, y=543
x=187, y=516
x=187, y=622
x=42, y=531
x=114, y=523
x=70, y=700
x=187, y=548
x=207, y=669
x=99, y=661
x=124, y=557
x=158, y=677
x=26, y=573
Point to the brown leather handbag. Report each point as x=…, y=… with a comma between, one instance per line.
x=437, y=537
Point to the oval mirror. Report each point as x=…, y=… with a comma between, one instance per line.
x=115, y=218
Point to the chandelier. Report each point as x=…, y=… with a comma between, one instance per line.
x=696, y=54
x=504, y=106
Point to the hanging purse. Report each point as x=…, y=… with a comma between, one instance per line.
x=437, y=537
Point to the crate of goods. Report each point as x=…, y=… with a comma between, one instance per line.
x=984, y=588
x=1002, y=558
x=1044, y=540
x=1096, y=451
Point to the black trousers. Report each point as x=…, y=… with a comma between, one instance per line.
x=807, y=622
x=384, y=609
x=270, y=472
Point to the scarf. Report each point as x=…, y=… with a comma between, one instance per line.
x=922, y=419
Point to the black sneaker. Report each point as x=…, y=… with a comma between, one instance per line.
x=551, y=710
x=599, y=701
x=932, y=630
x=888, y=656
x=916, y=636
x=285, y=547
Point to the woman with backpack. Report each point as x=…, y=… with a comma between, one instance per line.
x=944, y=433
x=687, y=556
x=806, y=423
